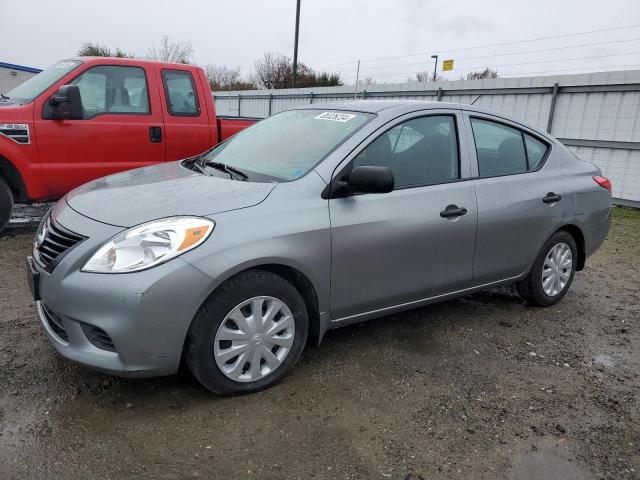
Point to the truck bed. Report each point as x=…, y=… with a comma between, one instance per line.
x=229, y=126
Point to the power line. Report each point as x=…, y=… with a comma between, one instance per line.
x=573, y=70
x=514, y=42
x=517, y=74
x=514, y=64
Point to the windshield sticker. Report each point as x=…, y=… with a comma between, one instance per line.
x=335, y=116
x=64, y=65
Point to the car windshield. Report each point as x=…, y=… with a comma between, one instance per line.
x=27, y=91
x=286, y=146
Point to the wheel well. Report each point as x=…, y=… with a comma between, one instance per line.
x=10, y=174
x=578, y=236
x=306, y=289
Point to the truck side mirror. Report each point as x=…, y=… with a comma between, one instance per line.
x=65, y=104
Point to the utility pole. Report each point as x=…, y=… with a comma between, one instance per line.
x=295, y=44
x=355, y=93
x=435, y=67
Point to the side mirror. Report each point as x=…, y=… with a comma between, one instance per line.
x=65, y=104
x=370, y=179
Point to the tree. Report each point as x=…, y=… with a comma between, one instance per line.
x=428, y=77
x=173, y=52
x=275, y=70
x=481, y=74
x=221, y=77
x=90, y=49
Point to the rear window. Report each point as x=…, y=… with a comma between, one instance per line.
x=535, y=151
x=182, y=98
x=505, y=150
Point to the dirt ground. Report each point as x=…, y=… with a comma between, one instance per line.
x=479, y=387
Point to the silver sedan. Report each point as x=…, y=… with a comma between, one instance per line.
x=312, y=219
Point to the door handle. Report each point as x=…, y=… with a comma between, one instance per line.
x=155, y=134
x=551, y=198
x=453, y=211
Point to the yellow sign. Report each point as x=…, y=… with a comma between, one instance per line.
x=447, y=65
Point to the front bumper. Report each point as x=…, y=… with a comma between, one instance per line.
x=144, y=315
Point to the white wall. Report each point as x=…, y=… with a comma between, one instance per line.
x=9, y=81
x=612, y=115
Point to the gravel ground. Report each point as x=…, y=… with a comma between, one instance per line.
x=28, y=215
x=479, y=387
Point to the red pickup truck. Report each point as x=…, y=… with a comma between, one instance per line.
x=87, y=117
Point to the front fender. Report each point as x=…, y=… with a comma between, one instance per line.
x=24, y=159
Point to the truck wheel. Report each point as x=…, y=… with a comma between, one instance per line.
x=6, y=204
x=248, y=334
x=553, y=272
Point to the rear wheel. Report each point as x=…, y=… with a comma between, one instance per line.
x=552, y=273
x=6, y=204
x=248, y=334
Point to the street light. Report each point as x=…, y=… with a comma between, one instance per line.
x=435, y=67
x=295, y=44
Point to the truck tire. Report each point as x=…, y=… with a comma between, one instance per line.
x=231, y=350
x=6, y=204
x=552, y=273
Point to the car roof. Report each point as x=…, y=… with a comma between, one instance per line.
x=400, y=107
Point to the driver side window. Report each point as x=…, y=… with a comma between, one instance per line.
x=422, y=151
x=113, y=89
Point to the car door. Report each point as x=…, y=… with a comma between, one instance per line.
x=188, y=129
x=416, y=241
x=520, y=198
x=121, y=114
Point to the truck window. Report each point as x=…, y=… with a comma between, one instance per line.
x=114, y=90
x=180, y=90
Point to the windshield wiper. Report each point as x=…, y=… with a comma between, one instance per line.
x=233, y=172
x=4, y=97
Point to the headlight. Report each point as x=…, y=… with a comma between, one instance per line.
x=149, y=244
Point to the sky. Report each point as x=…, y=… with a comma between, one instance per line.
x=393, y=39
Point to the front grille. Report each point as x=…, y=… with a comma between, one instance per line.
x=98, y=337
x=53, y=241
x=55, y=322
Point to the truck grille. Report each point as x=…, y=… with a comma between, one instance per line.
x=53, y=242
x=55, y=323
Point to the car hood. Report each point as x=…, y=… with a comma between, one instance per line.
x=130, y=198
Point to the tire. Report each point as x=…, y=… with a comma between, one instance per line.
x=6, y=204
x=531, y=287
x=205, y=353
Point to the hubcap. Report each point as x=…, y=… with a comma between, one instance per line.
x=254, y=339
x=556, y=269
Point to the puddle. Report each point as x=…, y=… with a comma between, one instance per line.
x=551, y=461
x=602, y=360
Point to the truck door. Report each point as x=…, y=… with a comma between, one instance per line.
x=122, y=128
x=187, y=126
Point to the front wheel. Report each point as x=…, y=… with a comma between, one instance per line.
x=552, y=273
x=248, y=334
x=6, y=204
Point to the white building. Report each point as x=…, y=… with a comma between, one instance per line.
x=13, y=75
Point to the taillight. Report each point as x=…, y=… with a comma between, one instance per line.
x=603, y=182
